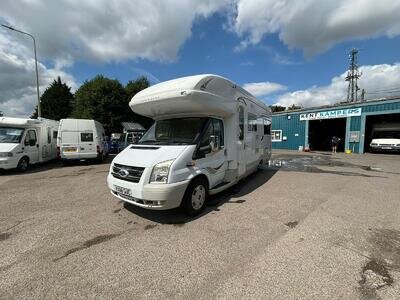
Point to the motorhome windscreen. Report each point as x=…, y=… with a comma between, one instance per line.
x=181, y=131
x=389, y=134
x=11, y=135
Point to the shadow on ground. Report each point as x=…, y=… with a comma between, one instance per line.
x=178, y=218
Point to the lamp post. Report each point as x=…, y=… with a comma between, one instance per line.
x=37, y=75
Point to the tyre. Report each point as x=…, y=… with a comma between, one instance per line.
x=23, y=164
x=194, y=200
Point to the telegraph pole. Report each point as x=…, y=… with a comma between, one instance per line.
x=352, y=76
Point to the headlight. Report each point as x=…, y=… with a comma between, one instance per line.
x=6, y=154
x=160, y=172
x=374, y=144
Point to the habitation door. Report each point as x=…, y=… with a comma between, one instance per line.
x=241, y=141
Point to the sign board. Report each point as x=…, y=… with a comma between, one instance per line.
x=331, y=114
x=354, y=137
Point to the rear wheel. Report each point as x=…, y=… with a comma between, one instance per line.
x=23, y=164
x=194, y=200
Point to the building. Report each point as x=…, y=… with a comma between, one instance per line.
x=351, y=122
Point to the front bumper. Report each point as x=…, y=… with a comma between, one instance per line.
x=385, y=148
x=150, y=196
x=8, y=163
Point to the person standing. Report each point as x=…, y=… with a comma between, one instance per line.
x=335, y=142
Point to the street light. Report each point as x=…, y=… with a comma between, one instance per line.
x=37, y=75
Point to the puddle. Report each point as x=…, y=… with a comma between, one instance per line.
x=311, y=164
x=150, y=226
x=87, y=244
x=4, y=236
x=292, y=224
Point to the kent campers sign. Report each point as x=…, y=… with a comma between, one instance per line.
x=331, y=114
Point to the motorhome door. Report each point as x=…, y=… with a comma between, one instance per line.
x=31, y=146
x=241, y=142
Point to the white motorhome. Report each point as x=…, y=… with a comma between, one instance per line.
x=385, y=137
x=26, y=141
x=81, y=139
x=208, y=134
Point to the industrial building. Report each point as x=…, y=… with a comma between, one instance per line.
x=351, y=122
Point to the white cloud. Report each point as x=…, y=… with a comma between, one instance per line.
x=378, y=80
x=259, y=89
x=109, y=30
x=312, y=25
x=17, y=78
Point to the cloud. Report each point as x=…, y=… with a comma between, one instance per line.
x=18, y=80
x=259, y=89
x=379, y=81
x=109, y=30
x=314, y=26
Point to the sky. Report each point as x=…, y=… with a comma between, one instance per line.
x=282, y=51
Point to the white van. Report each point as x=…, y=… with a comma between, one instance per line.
x=81, y=139
x=385, y=137
x=208, y=134
x=26, y=141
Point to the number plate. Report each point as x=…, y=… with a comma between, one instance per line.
x=386, y=148
x=69, y=149
x=122, y=190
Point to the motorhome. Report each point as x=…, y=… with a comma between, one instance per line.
x=385, y=137
x=26, y=141
x=81, y=139
x=208, y=134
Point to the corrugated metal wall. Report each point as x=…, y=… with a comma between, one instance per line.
x=293, y=129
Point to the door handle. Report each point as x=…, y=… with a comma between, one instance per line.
x=37, y=145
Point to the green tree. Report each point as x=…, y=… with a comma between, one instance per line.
x=56, y=101
x=277, y=108
x=131, y=89
x=294, y=107
x=103, y=100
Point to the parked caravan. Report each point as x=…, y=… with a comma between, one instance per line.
x=385, y=137
x=81, y=139
x=208, y=134
x=26, y=141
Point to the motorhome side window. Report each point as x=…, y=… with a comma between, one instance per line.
x=86, y=136
x=241, y=123
x=251, y=122
x=48, y=135
x=267, y=126
x=55, y=134
x=30, y=138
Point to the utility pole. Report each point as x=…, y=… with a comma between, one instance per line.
x=37, y=74
x=352, y=76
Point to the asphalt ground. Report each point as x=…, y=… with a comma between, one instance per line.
x=309, y=226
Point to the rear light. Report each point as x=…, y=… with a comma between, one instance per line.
x=98, y=149
x=58, y=152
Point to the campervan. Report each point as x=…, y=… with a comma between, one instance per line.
x=26, y=141
x=81, y=139
x=208, y=134
x=385, y=137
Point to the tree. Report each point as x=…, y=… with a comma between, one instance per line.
x=103, y=100
x=56, y=101
x=294, y=107
x=277, y=108
x=131, y=89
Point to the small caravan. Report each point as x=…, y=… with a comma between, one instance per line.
x=81, y=139
x=26, y=141
x=208, y=134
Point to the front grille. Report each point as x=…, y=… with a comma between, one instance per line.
x=134, y=172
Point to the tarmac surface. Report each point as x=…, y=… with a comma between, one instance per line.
x=311, y=225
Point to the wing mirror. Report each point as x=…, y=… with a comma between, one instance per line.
x=214, y=143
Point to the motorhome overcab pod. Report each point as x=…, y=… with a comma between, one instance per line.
x=208, y=133
x=26, y=141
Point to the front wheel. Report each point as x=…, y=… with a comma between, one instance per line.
x=194, y=200
x=23, y=164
